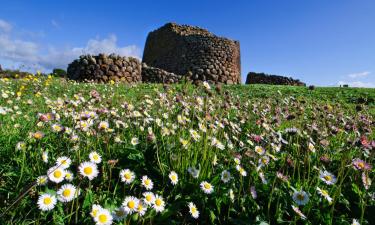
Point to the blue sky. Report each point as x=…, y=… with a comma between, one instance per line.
x=320, y=42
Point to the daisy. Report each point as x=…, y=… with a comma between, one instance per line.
x=63, y=162
x=264, y=160
x=21, y=145
x=103, y=125
x=259, y=150
x=225, y=176
x=207, y=187
x=119, y=214
x=38, y=135
x=298, y=211
x=206, y=85
x=88, y=169
x=56, y=174
x=103, y=217
x=67, y=193
x=241, y=170
x=311, y=147
x=127, y=176
x=359, y=164
x=366, y=181
x=45, y=157
x=325, y=194
x=147, y=183
x=173, y=177
x=130, y=204
x=237, y=161
x=193, y=210
x=300, y=197
x=194, y=134
x=57, y=128
x=134, y=141
x=42, y=180
x=46, y=202
x=159, y=204
x=327, y=177
x=149, y=198
x=95, y=157
x=231, y=195
x=68, y=175
x=141, y=209
x=355, y=222
x=95, y=209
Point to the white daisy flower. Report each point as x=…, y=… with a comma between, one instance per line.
x=225, y=176
x=300, y=197
x=57, y=128
x=141, y=208
x=147, y=183
x=193, y=210
x=355, y=222
x=67, y=193
x=173, y=177
x=45, y=157
x=94, y=210
x=21, y=145
x=42, y=180
x=237, y=161
x=327, y=177
x=63, y=162
x=103, y=125
x=207, y=187
x=130, y=204
x=103, y=217
x=95, y=157
x=134, y=141
x=89, y=170
x=260, y=150
x=56, y=174
x=325, y=194
x=68, y=175
x=241, y=170
x=159, y=204
x=127, y=176
x=148, y=198
x=46, y=202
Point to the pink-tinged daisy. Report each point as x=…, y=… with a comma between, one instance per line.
x=300, y=197
x=298, y=211
x=147, y=183
x=327, y=177
x=207, y=187
x=359, y=164
x=127, y=176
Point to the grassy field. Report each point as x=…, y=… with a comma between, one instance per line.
x=151, y=154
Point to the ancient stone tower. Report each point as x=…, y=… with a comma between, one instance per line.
x=193, y=52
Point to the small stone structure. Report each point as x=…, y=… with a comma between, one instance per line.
x=193, y=52
x=103, y=68
x=261, y=78
x=1, y=69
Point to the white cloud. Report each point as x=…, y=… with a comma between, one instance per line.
x=357, y=84
x=359, y=75
x=5, y=26
x=36, y=56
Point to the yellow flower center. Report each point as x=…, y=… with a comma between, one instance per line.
x=96, y=157
x=300, y=197
x=87, y=170
x=361, y=165
x=147, y=182
x=57, y=174
x=328, y=178
x=148, y=198
x=131, y=204
x=158, y=202
x=127, y=176
x=193, y=209
x=173, y=177
x=94, y=212
x=207, y=186
x=324, y=192
x=47, y=201
x=140, y=207
x=103, y=218
x=66, y=193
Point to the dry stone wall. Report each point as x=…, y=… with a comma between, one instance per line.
x=261, y=78
x=193, y=52
x=156, y=75
x=104, y=68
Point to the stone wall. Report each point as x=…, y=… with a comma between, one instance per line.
x=104, y=68
x=193, y=52
x=156, y=75
x=261, y=78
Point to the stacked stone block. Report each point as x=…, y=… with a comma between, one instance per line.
x=156, y=75
x=104, y=68
x=193, y=52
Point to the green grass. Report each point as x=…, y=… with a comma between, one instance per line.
x=336, y=123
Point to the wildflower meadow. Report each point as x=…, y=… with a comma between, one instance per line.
x=84, y=153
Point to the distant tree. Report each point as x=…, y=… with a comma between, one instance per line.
x=59, y=72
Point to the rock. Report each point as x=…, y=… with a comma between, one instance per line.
x=261, y=78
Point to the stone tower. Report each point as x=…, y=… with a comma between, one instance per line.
x=193, y=52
